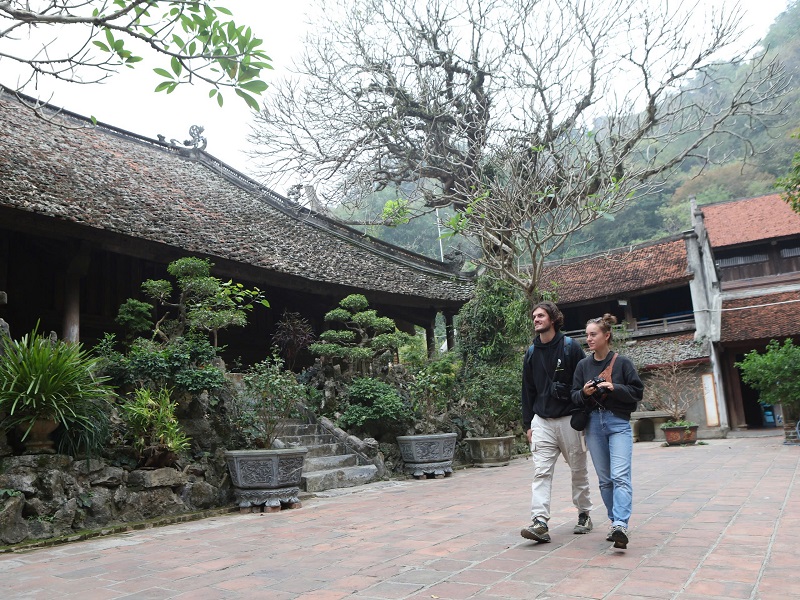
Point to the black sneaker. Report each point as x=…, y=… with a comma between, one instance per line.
x=619, y=535
x=536, y=531
x=584, y=524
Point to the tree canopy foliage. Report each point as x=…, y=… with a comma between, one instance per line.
x=531, y=118
x=87, y=42
x=775, y=374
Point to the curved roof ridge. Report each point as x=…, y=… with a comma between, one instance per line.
x=333, y=226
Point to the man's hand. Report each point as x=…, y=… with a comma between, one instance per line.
x=530, y=436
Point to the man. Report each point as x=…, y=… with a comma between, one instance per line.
x=546, y=407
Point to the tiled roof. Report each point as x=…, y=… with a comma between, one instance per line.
x=750, y=220
x=618, y=272
x=663, y=350
x=762, y=317
x=104, y=178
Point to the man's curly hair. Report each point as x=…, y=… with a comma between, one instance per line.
x=552, y=310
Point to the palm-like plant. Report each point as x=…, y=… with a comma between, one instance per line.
x=44, y=379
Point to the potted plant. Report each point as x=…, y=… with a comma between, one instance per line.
x=429, y=452
x=264, y=476
x=46, y=386
x=488, y=408
x=673, y=389
x=775, y=375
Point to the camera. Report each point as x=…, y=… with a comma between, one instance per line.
x=596, y=381
x=599, y=394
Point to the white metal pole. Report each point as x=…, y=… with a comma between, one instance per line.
x=439, y=229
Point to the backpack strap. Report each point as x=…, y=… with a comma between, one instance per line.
x=528, y=354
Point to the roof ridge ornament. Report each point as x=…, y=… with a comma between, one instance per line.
x=197, y=141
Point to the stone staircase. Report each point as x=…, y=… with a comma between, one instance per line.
x=330, y=462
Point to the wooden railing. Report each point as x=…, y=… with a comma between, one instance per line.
x=638, y=328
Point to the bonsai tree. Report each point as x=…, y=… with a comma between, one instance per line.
x=775, y=375
x=203, y=303
x=179, y=352
x=673, y=389
x=270, y=395
x=44, y=379
x=361, y=340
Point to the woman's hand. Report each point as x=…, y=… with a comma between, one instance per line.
x=589, y=388
x=606, y=387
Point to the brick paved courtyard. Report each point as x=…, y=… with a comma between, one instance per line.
x=720, y=520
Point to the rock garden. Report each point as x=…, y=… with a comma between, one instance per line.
x=152, y=426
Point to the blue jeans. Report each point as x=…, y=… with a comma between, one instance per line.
x=610, y=443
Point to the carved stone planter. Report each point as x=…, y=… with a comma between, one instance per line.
x=266, y=478
x=679, y=436
x=490, y=451
x=428, y=454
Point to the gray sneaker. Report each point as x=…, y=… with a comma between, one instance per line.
x=619, y=535
x=536, y=531
x=584, y=524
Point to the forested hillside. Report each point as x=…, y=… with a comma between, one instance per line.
x=665, y=211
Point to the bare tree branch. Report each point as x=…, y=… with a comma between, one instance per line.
x=531, y=117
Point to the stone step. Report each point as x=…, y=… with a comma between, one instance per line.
x=318, y=481
x=315, y=439
x=290, y=428
x=326, y=450
x=323, y=463
x=328, y=464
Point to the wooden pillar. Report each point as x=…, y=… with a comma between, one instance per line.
x=450, y=331
x=71, y=328
x=78, y=267
x=430, y=336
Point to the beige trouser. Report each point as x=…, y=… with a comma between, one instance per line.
x=550, y=438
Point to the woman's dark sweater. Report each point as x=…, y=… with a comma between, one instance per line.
x=628, y=388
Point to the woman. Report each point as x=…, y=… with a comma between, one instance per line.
x=609, y=384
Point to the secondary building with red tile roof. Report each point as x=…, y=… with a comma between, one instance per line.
x=750, y=220
x=730, y=284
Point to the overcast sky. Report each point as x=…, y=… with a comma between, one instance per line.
x=127, y=100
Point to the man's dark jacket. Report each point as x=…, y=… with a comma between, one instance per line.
x=547, y=378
